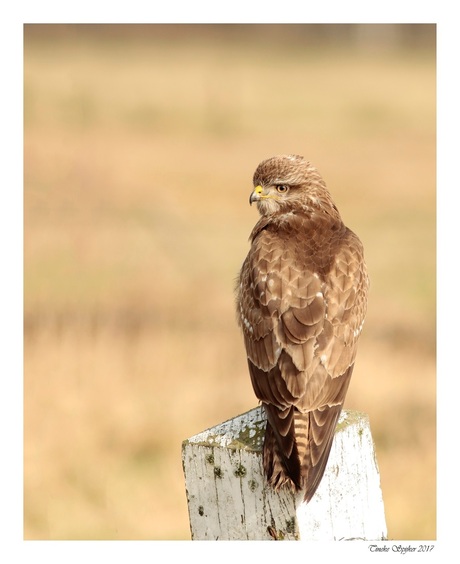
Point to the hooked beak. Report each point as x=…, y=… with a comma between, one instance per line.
x=256, y=194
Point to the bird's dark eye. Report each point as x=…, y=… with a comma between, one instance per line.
x=282, y=188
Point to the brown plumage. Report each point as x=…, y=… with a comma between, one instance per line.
x=301, y=304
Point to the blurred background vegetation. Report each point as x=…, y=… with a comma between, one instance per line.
x=139, y=147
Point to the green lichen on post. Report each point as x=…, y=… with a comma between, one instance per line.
x=209, y=458
x=249, y=438
x=253, y=485
x=240, y=471
x=201, y=511
x=218, y=472
x=290, y=525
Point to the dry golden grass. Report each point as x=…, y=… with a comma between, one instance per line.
x=139, y=153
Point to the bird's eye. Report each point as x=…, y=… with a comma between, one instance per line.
x=282, y=188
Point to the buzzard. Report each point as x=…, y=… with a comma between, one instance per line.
x=301, y=302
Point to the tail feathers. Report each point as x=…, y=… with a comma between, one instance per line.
x=314, y=460
x=280, y=469
x=297, y=460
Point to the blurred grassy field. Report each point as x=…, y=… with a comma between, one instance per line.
x=139, y=150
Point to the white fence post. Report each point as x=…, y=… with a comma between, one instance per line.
x=228, y=498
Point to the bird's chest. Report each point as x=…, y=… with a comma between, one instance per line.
x=291, y=252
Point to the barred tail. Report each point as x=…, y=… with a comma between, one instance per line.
x=297, y=447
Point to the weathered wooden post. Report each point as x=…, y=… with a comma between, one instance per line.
x=228, y=498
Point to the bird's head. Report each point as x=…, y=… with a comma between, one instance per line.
x=288, y=182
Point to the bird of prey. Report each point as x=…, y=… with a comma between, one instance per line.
x=301, y=302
